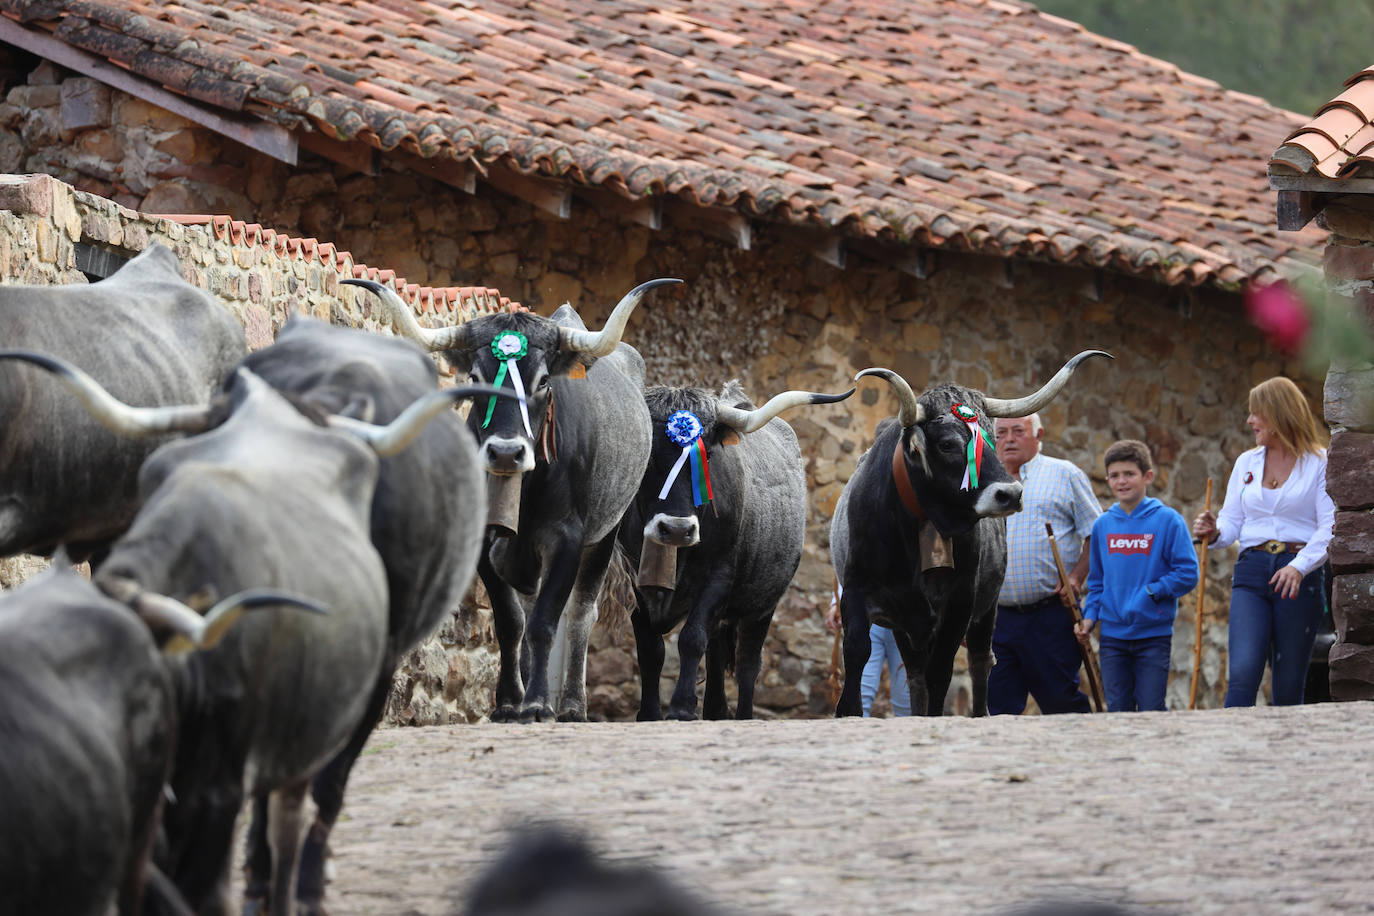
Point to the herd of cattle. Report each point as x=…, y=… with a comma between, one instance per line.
x=270, y=532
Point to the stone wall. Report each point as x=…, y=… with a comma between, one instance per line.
x=1349, y=265
x=772, y=316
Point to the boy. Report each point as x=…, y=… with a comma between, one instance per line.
x=1141, y=563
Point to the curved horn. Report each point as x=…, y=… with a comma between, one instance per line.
x=111, y=412
x=190, y=630
x=397, y=435
x=597, y=344
x=910, y=412
x=403, y=320
x=746, y=421
x=1024, y=407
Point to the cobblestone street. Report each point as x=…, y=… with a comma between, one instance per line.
x=1244, y=811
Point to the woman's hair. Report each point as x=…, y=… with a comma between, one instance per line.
x=1279, y=402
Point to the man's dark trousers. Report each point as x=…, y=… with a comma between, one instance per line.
x=1037, y=653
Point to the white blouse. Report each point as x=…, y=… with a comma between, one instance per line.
x=1300, y=510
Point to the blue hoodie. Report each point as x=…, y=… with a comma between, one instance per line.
x=1141, y=564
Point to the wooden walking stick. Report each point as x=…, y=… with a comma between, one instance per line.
x=1085, y=649
x=1201, y=594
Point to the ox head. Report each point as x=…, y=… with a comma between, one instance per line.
x=519, y=352
x=126, y=420
x=691, y=428
x=946, y=444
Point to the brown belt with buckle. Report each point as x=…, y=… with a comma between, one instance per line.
x=1280, y=546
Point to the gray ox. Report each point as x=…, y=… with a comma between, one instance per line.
x=86, y=735
x=557, y=489
x=427, y=521
x=915, y=552
x=722, y=566
x=268, y=497
x=146, y=335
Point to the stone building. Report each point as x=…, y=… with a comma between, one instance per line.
x=966, y=191
x=1325, y=170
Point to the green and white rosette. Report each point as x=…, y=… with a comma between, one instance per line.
x=977, y=439
x=509, y=347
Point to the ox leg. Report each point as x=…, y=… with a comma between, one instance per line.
x=916, y=657
x=555, y=586
x=327, y=789
x=980, y=660
x=649, y=648
x=579, y=617
x=858, y=645
x=691, y=645
x=508, y=619
x=257, y=861
x=720, y=651
x=749, y=662
x=940, y=667
x=286, y=823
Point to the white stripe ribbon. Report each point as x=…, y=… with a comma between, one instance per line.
x=519, y=385
x=677, y=469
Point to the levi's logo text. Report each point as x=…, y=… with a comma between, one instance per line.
x=1129, y=543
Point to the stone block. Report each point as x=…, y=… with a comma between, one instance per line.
x=1351, y=217
x=1352, y=608
x=85, y=104
x=1352, y=542
x=1350, y=470
x=26, y=194
x=1352, y=671
x=1348, y=261
x=1349, y=398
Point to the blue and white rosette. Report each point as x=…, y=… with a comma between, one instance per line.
x=509, y=347
x=685, y=430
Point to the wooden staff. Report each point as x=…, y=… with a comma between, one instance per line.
x=1085, y=649
x=1201, y=594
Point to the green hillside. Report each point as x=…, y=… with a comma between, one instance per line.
x=1295, y=53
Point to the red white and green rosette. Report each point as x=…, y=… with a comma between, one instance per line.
x=685, y=430
x=509, y=347
x=978, y=437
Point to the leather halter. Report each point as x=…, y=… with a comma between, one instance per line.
x=902, y=481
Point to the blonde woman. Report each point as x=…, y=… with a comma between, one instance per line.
x=1278, y=511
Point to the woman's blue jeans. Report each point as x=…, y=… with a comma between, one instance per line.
x=1267, y=628
x=885, y=650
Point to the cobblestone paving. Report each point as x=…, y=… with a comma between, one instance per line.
x=1236, y=811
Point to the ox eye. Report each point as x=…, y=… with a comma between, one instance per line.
x=475, y=377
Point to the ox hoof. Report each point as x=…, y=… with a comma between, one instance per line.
x=682, y=715
x=653, y=715
x=542, y=713
x=505, y=713
x=573, y=715
x=254, y=906
x=313, y=907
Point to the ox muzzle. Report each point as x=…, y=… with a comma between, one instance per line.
x=998, y=500
x=506, y=460
x=663, y=535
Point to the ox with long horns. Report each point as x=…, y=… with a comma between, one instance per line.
x=718, y=525
x=264, y=497
x=149, y=337
x=918, y=539
x=86, y=736
x=563, y=463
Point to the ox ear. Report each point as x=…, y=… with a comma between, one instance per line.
x=461, y=360
x=729, y=437
x=915, y=442
x=568, y=363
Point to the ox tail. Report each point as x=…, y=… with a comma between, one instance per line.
x=728, y=642
x=616, y=602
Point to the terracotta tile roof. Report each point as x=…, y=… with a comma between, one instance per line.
x=983, y=126
x=465, y=302
x=1339, y=142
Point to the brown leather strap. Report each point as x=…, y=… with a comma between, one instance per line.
x=548, y=436
x=902, y=481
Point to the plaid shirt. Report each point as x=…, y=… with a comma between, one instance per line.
x=1058, y=492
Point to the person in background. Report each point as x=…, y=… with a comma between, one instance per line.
x=884, y=651
x=1034, y=641
x=1141, y=563
x=1278, y=511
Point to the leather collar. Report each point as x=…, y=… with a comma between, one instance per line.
x=902, y=480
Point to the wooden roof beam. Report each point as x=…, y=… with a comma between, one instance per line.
x=552, y=197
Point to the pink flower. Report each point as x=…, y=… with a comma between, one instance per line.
x=1280, y=313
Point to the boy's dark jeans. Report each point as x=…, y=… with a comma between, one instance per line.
x=1135, y=672
x=1267, y=628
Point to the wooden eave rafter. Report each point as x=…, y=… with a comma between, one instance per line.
x=270, y=139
